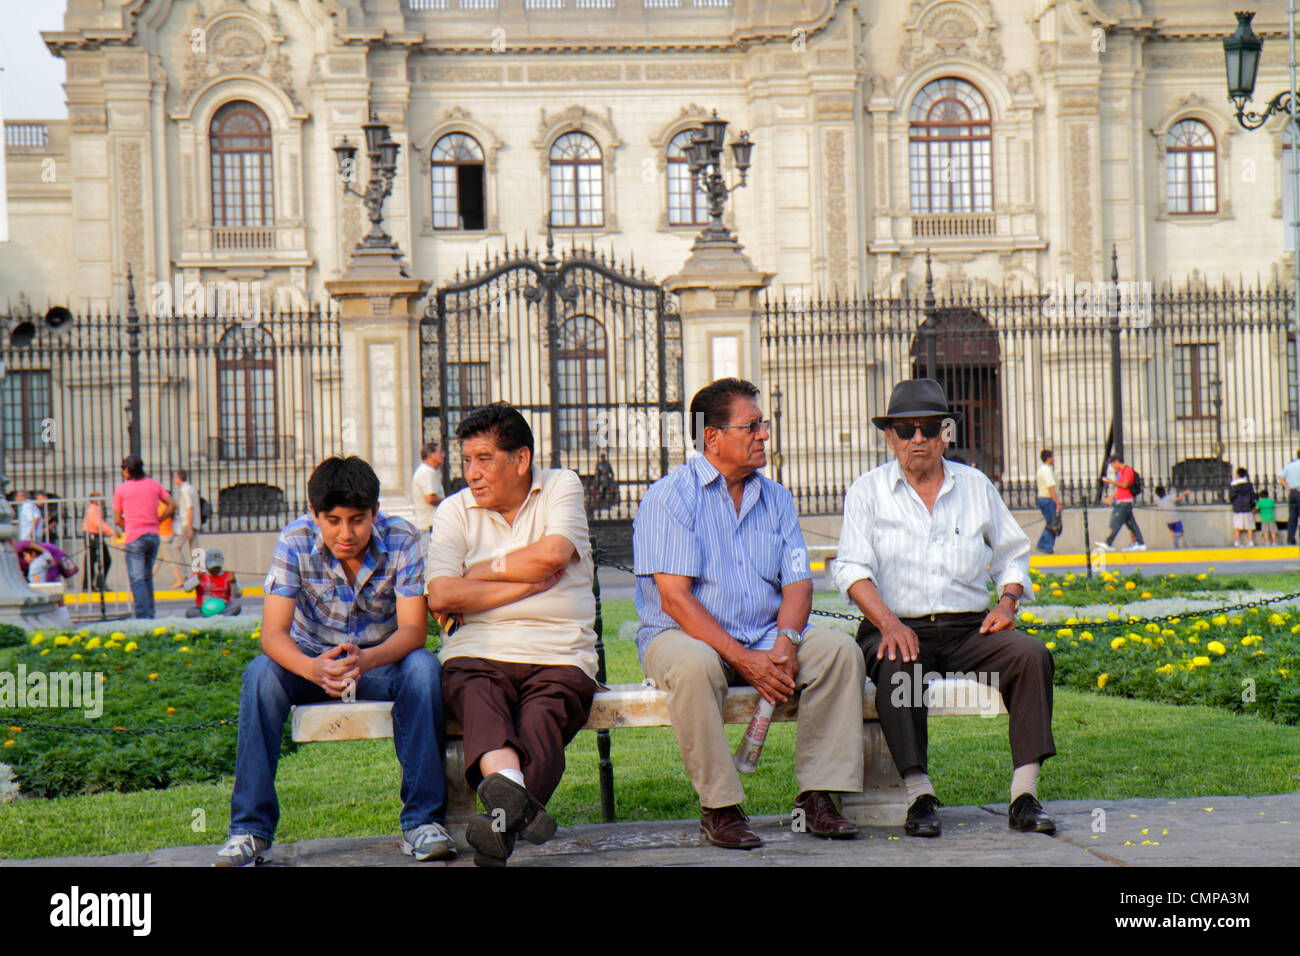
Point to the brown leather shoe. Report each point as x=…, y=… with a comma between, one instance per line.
x=728, y=827
x=821, y=818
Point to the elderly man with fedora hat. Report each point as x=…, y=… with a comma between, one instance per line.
x=921, y=538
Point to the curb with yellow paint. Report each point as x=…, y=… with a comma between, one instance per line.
x=1200, y=556
x=93, y=597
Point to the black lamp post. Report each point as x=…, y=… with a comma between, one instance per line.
x=377, y=249
x=704, y=159
x=1241, y=53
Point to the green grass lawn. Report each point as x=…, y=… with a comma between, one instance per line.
x=1109, y=748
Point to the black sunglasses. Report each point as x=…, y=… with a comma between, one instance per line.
x=905, y=430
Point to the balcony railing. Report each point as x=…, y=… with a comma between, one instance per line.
x=226, y=238
x=27, y=135
x=954, y=225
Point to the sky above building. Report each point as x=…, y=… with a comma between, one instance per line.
x=31, y=78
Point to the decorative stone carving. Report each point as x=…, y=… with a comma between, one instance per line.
x=237, y=41
x=687, y=71
x=597, y=73
x=130, y=181
x=1081, y=200
x=957, y=28
x=237, y=47
x=837, y=241
x=1022, y=84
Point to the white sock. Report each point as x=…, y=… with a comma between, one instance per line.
x=1024, y=779
x=515, y=776
x=917, y=784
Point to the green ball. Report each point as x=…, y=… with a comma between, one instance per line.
x=212, y=606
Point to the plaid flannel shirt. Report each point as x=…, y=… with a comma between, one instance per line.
x=329, y=610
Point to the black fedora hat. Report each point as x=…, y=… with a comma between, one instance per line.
x=915, y=398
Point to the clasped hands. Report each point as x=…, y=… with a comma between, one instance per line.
x=771, y=673
x=339, y=669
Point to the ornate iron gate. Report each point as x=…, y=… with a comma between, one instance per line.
x=589, y=353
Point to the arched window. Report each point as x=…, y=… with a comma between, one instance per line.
x=686, y=206
x=949, y=155
x=240, y=137
x=1190, y=179
x=582, y=360
x=577, y=181
x=248, y=427
x=458, y=197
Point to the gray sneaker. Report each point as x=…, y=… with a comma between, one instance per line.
x=428, y=841
x=243, y=849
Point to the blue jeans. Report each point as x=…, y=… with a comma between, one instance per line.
x=1047, y=540
x=1121, y=515
x=140, y=555
x=414, y=684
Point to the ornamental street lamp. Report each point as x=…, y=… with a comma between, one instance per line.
x=1241, y=53
x=704, y=160
x=377, y=251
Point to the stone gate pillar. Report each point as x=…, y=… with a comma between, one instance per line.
x=379, y=327
x=719, y=291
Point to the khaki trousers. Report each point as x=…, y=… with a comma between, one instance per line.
x=828, y=743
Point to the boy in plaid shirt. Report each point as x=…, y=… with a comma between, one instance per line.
x=344, y=617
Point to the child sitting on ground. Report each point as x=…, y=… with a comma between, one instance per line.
x=214, y=583
x=1167, y=505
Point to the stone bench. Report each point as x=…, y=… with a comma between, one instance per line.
x=882, y=802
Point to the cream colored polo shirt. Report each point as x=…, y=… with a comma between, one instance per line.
x=555, y=627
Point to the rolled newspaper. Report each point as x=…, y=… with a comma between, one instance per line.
x=751, y=745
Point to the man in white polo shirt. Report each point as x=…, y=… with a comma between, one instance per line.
x=426, y=487
x=509, y=574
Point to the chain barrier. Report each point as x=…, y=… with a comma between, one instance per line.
x=1122, y=622
x=231, y=721
x=122, y=731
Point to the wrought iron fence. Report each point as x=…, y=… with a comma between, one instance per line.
x=246, y=405
x=1208, y=383
x=588, y=351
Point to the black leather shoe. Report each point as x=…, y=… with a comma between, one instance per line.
x=922, y=820
x=1026, y=815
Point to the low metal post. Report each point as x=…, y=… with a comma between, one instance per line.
x=602, y=736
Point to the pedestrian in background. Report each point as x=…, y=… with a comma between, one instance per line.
x=1048, y=502
x=1241, y=496
x=1290, y=475
x=97, y=532
x=177, y=547
x=426, y=487
x=1167, y=505
x=1267, y=518
x=29, y=517
x=136, y=504
x=1121, y=514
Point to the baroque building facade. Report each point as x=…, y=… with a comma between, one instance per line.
x=1014, y=142
x=1016, y=139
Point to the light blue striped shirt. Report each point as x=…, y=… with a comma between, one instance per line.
x=687, y=524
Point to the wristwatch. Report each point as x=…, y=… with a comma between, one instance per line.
x=1015, y=601
x=795, y=637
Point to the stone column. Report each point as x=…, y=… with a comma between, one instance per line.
x=719, y=290
x=380, y=335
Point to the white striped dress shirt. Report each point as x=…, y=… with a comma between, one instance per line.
x=930, y=563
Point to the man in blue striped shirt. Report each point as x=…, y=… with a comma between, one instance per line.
x=723, y=594
x=344, y=617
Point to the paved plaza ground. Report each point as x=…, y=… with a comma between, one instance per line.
x=1203, y=831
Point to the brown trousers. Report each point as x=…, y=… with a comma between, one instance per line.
x=951, y=643
x=531, y=708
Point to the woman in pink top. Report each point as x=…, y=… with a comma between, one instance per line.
x=136, y=512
